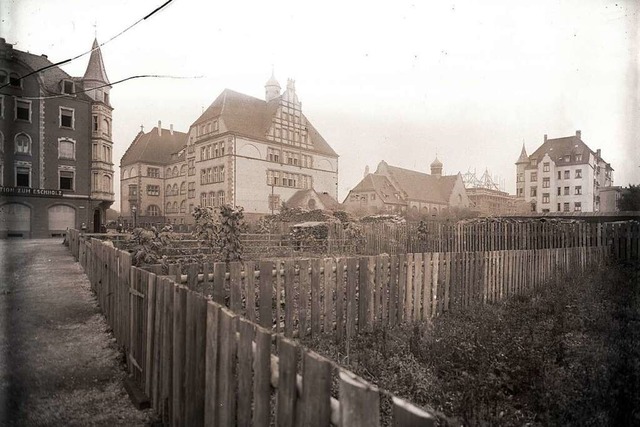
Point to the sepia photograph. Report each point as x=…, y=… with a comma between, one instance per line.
x=293, y=213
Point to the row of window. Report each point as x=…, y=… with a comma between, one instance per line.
x=23, y=145
x=287, y=179
x=172, y=172
x=13, y=79
x=172, y=190
x=101, y=152
x=212, y=151
x=172, y=208
x=66, y=178
x=566, y=174
x=212, y=199
x=207, y=128
x=533, y=191
x=212, y=175
x=289, y=157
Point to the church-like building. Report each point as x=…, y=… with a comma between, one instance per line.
x=56, y=169
x=391, y=189
x=243, y=151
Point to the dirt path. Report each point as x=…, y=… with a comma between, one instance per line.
x=59, y=365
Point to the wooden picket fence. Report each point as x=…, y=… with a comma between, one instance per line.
x=202, y=364
x=212, y=360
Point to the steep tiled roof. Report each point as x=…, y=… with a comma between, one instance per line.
x=249, y=116
x=95, y=68
x=51, y=77
x=153, y=148
x=300, y=196
x=524, y=158
x=381, y=185
x=557, y=148
x=421, y=186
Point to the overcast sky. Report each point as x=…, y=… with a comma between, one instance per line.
x=394, y=80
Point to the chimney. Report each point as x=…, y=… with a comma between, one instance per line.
x=44, y=56
x=579, y=134
x=159, y=128
x=598, y=154
x=171, y=128
x=545, y=137
x=366, y=170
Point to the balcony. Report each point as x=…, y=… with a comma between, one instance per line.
x=102, y=195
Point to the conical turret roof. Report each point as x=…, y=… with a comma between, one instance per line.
x=95, y=69
x=524, y=158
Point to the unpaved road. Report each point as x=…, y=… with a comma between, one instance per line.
x=59, y=365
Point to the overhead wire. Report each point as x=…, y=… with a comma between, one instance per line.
x=141, y=76
x=66, y=61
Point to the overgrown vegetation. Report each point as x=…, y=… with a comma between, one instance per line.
x=566, y=355
x=221, y=230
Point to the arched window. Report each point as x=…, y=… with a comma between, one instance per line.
x=175, y=207
x=125, y=173
x=23, y=143
x=220, y=198
x=66, y=149
x=168, y=209
x=183, y=206
x=134, y=173
x=175, y=171
x=153, y=210
x=168, y=192
x=174, y=190
x=183, y=187
x=434, y=211
x=183, y=170
x=168, y=173
x=106, y=127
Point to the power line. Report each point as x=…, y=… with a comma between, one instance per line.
x=141, y=76
x=66, y=61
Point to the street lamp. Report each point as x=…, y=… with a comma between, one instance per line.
x=134, y=210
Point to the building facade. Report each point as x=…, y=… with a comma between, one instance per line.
x=56, y=169
x=152, y=172
x=562, y=175
x=396, y=190
x=242, y=151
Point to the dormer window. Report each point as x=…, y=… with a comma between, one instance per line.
x=534, y=162
x=68, y=87
x=578, y=157
x=14, y=80
x=567, y=158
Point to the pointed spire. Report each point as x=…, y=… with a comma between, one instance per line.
x=95, y=69
x=272, y=87
x=524, y=158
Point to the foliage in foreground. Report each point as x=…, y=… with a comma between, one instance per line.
x=567, y=355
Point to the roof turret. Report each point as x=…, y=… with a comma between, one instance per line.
x=95, y=68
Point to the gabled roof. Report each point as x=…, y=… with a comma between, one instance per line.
x=51, y=77
x=153, y=148
x=382, y=186
x=95, y=68
x=557, y=148
x=421, y=186
x=298, y=198
x=252, y=117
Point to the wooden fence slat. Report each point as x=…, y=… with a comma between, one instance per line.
x=167, y=350
x=408, y=293
x=266, y=294
x=289, y=301
x=189, y=360
x=303, y=296
x=402, y=285
x=407, y=415
x=235, y=287
x=211, y=367
x=328, y=316
x=341, y=264
x=316, y=325
x=417, y=286
x=250, y=290
x=245, y=371
x=151, y=299
x=359, y=402
x=352, y=307
x=316, y=391
x=227, y=384
x=179, y=329
x=200, y=316
x=219, y=270
x=427, y=285
x=287, y=391
x=262, y=383
x=393, y=290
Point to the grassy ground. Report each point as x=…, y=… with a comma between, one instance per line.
x=568, y=354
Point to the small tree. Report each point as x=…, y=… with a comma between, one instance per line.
x=221, y=231
x=630, y=198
